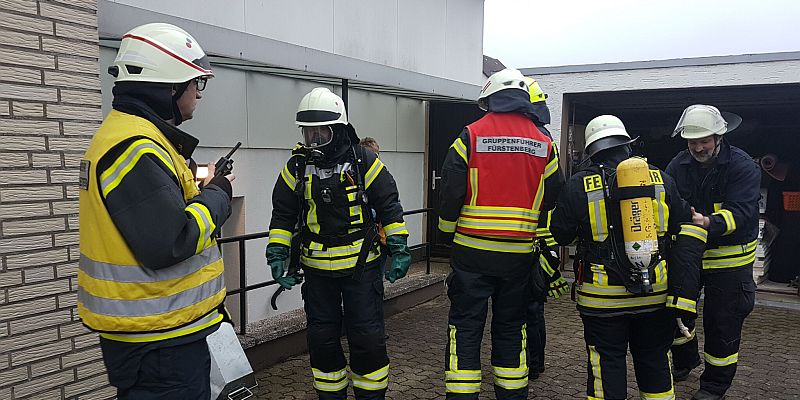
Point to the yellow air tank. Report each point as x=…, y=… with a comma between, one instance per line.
x=638, y=222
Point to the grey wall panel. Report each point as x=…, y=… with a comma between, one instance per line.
x=421, y=36
x=410, y=125
x=107, y=56
x=229, y=14
x=221, y=116
x=375, y=115
x=271, y=108
x=307, y=23
x=407, y=169
x=364, y=36
x=464, y=52
x=366, y=29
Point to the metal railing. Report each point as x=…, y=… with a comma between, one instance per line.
x=244, y=287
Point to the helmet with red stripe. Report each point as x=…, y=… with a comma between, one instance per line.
x=162, y=53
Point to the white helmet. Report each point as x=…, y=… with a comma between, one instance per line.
x=319, y=109
x=605, y=132
x=160, y=53
x=501, y=80
x=699, y=121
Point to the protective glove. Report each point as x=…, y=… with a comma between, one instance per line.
x=401, y=257
x=558, y=287
x=278, y=260
x=682, y=328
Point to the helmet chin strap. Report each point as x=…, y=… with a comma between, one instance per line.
x=176, y=111
x=715, y=153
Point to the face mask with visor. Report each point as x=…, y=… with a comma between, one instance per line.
x=315, y=137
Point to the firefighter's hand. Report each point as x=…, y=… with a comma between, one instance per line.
x=278, y=260
x=683, y=329
x=558, y=287
x=401, y=257
x=700, y=219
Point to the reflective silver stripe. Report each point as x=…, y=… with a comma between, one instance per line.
x=736, y=250
x=651, y=300
x=694, y=231
x=134, y=153
x=373, y=172
x=205, y=224
x=495, y=224
x=487, y=211
x=397, y=228
x=551, y=167
x=331, y=376
x=668, y=395
x=151, y=307
x=597, y=372
x=447, y=226
x=462, y=387
x=375, y=380
x=730, y=223
x=138, y=274
x=146, y=337
x=280, y=236
x=683, y=339
x=601, y=289
x=491, y=245
x=660, y=201
x=596, y=215
x=460, y=148
x=468, y=374
x=721, y=362
x=288, y=177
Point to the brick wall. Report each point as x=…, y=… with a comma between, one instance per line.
x=49, y=108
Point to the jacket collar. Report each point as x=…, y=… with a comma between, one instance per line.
x=183, y=142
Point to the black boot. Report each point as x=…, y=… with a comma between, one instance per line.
x=702, y=394
x=680, y=374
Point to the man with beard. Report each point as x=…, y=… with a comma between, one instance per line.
x=721, y=182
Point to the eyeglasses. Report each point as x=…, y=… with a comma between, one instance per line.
x=201, y=83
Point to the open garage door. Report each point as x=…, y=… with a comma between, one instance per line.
x=770, y=127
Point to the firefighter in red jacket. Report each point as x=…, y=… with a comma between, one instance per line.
x=499, y=175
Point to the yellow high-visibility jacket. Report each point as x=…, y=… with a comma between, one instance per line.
x=118, y=294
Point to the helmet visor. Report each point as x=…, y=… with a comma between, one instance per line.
x=699, y=121
x=316, y=136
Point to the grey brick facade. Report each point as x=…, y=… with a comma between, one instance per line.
x=49, y=108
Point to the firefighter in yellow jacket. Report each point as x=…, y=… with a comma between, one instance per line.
x=498, y=176
x=326, y=193
x=151, y=274
x=631, y=281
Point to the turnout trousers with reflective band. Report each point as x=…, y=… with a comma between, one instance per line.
x=649, y=336
x=469, y=294
x=537, y=337
x=729, y=298
x=362, y=297
x=159, y=370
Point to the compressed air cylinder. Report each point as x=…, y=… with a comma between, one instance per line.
x=638, y=223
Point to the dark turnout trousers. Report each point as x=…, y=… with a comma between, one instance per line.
x=362, y=297
x=469, y=294
x=649, y=336
x=729, y=299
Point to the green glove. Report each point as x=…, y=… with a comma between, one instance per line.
x=558, y=287
x=401, y=257
x=278, y=260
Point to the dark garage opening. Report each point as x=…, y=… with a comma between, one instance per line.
x=771, y=124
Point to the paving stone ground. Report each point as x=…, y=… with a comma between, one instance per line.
x=769, y=364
